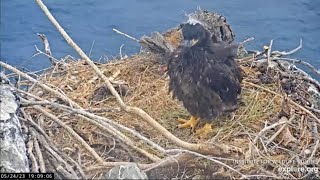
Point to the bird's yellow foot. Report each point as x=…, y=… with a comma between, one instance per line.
x=188, y=123
x=203, y=132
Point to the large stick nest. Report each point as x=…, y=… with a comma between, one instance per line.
x=272, y=128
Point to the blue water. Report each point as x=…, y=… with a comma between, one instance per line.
x=89, y=21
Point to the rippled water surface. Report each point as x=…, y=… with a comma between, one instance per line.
x=91, y=21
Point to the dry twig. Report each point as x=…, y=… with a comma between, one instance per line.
x=128, y=36
x=283, y=120
x=60, y=95
x=280, y=130
x=269, y=55
x=45, y=139
x=38, y=151
x=299, y=62
x=71, y=131
x=317, y=137
x=284, y=53
x=52, y=152
x=47, y=48
x=34, y=163
x=308, y=79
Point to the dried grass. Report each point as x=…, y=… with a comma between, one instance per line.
x=148, y=89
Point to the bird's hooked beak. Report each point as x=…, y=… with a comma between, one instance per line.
x=190, y=43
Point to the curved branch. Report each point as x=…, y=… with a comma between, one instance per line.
x=63, y=97
x=284, y=53
x=299, y=62
x=202, y=148
x=72, y=132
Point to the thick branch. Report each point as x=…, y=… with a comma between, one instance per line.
x=142, y=114
x=63, y=97
x=72, y=132
x=299, y=62
x=105, y=124
x=284, y=53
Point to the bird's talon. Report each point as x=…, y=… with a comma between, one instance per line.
x=188, y=123
x=182, y=120
x=205, y=131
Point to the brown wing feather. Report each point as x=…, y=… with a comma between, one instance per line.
x=206, y=83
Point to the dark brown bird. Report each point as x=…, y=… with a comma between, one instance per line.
x=204, y=76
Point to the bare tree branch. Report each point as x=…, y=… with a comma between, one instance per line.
x=215, y=149
x=47, y=48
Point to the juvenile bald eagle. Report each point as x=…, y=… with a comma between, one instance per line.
x=204, y=76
